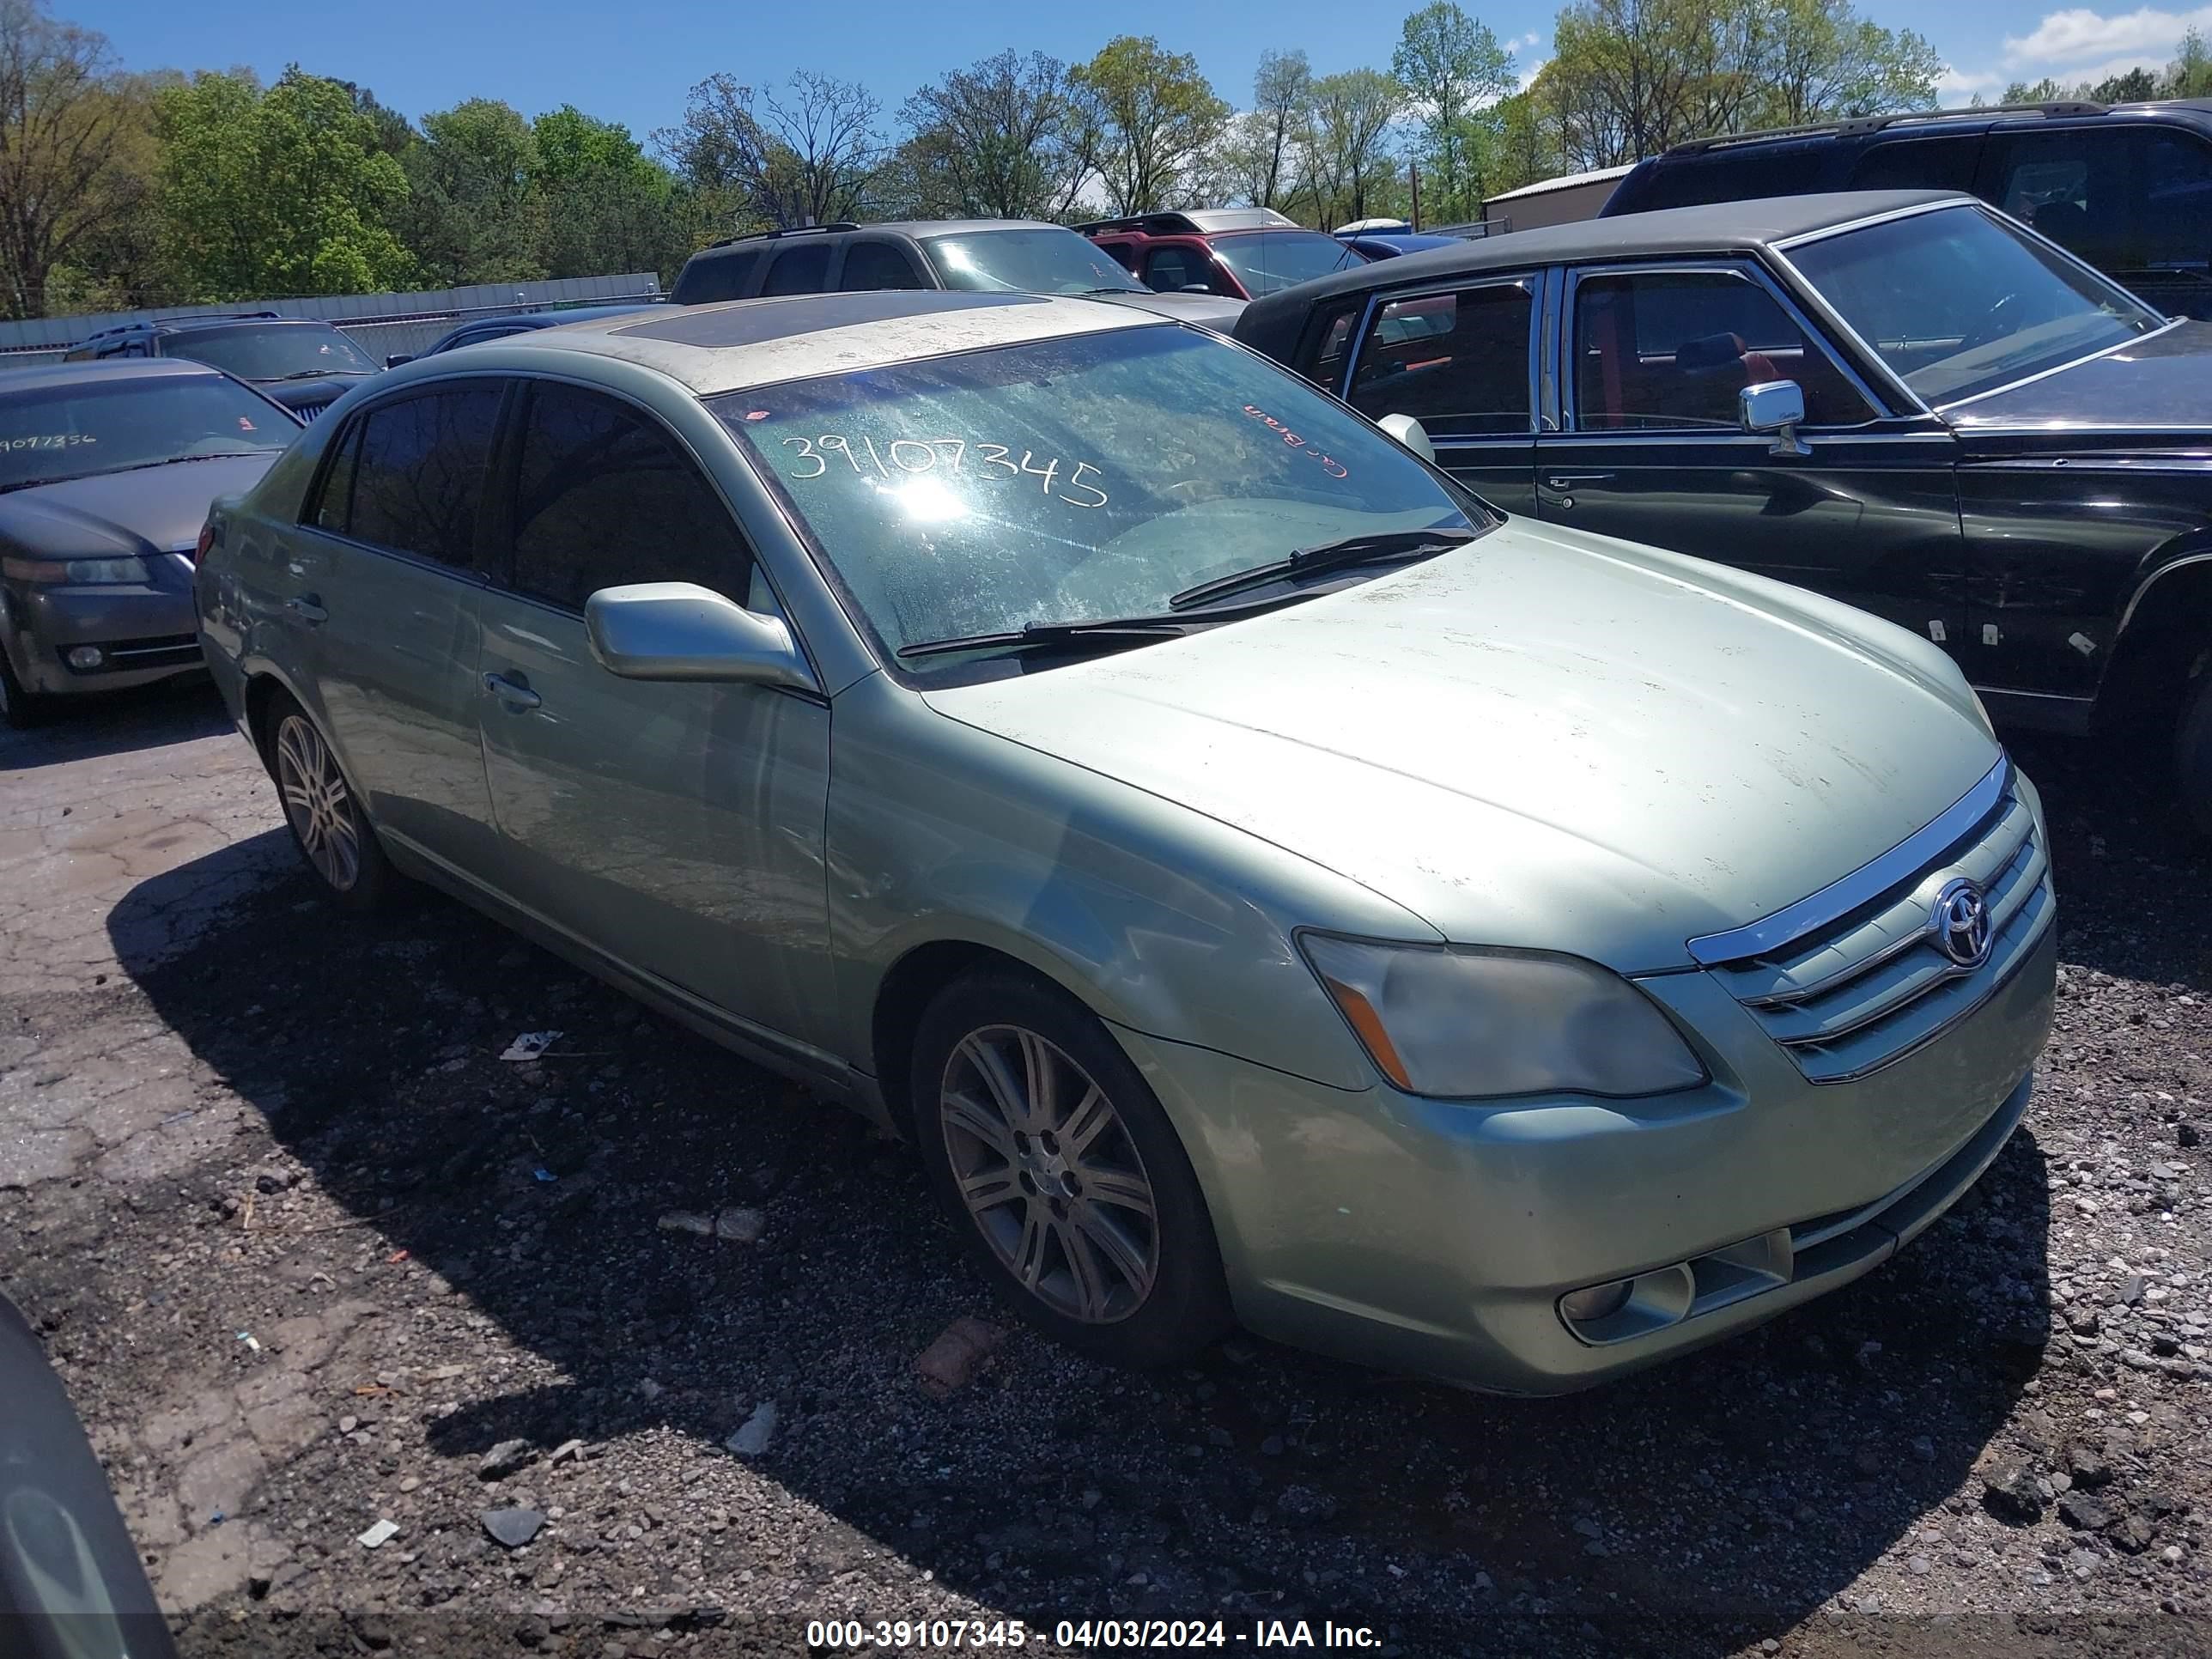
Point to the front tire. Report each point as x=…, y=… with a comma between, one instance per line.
x=20, y=709
x=324, y=814
x=2192, y=754
x=1062, y=1174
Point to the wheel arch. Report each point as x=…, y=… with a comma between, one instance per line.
x=2164, y=639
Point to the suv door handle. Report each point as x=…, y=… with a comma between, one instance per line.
x=513, y=693
x=308, y=608
x=1569, y=480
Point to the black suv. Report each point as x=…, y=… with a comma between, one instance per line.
x=2128, y=187
x=302, y=362
x=989, y=256
x=1901, y=399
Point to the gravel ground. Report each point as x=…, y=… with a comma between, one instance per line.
x=310, y=1256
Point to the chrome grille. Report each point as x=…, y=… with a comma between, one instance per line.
x=1859, y=989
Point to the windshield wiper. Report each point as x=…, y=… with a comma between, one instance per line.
x=128, y=466
x=320, y=373
x=1059, y=632
x=1375, y=547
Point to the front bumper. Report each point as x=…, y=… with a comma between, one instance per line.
x=144, y=632
x=1436, y=1238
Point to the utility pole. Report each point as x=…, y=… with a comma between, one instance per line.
x=1414, y=169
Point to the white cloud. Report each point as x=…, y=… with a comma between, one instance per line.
x=1531, y=39
x=1530, y=71
x=2069, y=39
x=1955, y=85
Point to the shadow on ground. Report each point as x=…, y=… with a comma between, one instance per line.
x=1715, y=1501
x=116, y=723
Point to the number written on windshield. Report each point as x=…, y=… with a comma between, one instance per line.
x=915, y=456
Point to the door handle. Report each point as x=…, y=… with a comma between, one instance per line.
x=308, y=608
x=1569, y=480
x=513, y=693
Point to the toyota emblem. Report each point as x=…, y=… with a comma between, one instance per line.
x=1960, y=923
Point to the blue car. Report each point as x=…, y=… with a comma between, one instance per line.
x=1389, y=244
x=497, y=328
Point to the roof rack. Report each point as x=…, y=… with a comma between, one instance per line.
x=188, y=317
x=1855, y=123
x=1160, y=221
x=789, y=230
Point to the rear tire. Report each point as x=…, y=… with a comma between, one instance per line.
x=324, y=814
x=1062, y=1174
x=2192, y=754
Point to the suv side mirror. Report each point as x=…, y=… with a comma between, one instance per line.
x=1776, y=407
x=682, y=631
x=398, y=358
x=1410, y=433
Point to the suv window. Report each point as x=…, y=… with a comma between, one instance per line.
x=717, y=274
x=2177, y=201
x=1274, y=259
x=1454, y=362
x=1662, y=348
x=799, y=270
x=877, y=266
x=417, y=470
x=604, y=496
x=1919, y=164
x=2070, y=186
x=1167, y=270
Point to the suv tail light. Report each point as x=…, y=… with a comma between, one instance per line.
x=207, y=540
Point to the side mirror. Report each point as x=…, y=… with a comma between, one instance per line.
x=398, y=358
x=1410, y=433
x=1776, y=407
x=681, y=631
x=1194, y=287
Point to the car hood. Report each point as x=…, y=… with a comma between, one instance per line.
x=1544, y=739
x=2162, y=383
x=148, y=509
x=1211, y=311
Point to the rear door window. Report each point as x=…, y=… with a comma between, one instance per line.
x=1456, y=361
x=418, y=474
x=877, y=266
x=1177, y=266
x=718, y=275
x=2072, y=186
x=1661, y=349
x=803, y=269
x=605, y=496
x=1919, y=164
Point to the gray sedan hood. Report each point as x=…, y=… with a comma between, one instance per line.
x=147, y=509
x=1544, y=739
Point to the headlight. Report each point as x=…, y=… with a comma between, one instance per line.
x=1463, y=1022
x=87, y=572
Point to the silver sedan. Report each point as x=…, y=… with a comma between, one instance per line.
x=1262, y=882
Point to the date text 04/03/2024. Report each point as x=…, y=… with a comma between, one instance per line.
x=1089, y=1635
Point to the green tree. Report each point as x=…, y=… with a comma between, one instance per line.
x=1453, y=70
x=474, y=212
x=1527, y=149
x=997, y=140
x=1348, y=158
x=66, y=174
x=2129, y=86
x=1152, y=123
x=2190, y=74
x=610, y=208
x=1819, y=60
x=269, y=193
x=1261, y=157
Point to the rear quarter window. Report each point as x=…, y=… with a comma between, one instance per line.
x=718, y=274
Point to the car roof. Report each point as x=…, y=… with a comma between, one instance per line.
x=713, y=349
x=40, y=376
x=559, y=319
x=1713, y=227
x=916, y=227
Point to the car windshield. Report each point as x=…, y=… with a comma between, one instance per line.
x=258, y=351
x=1266, y=260
x=1045, y=260
x=1958, y=302
x=52, y=432
x=1076, y=480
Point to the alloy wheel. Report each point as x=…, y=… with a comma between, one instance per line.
x=1049, y=1175
x=316, y=802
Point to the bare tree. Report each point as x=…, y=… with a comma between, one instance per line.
x=997, y=139
x=1347, y=143
x=805, y=155
x=61, y=124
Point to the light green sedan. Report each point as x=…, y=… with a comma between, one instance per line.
x=1262, y=882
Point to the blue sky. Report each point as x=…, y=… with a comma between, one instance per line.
x=633, y=64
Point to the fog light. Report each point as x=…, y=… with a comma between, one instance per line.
x=85, y=656
x=1595, y=1301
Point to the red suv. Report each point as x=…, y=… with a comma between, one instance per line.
x=1239, y=253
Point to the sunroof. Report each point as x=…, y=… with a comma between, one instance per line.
x=753, y=321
